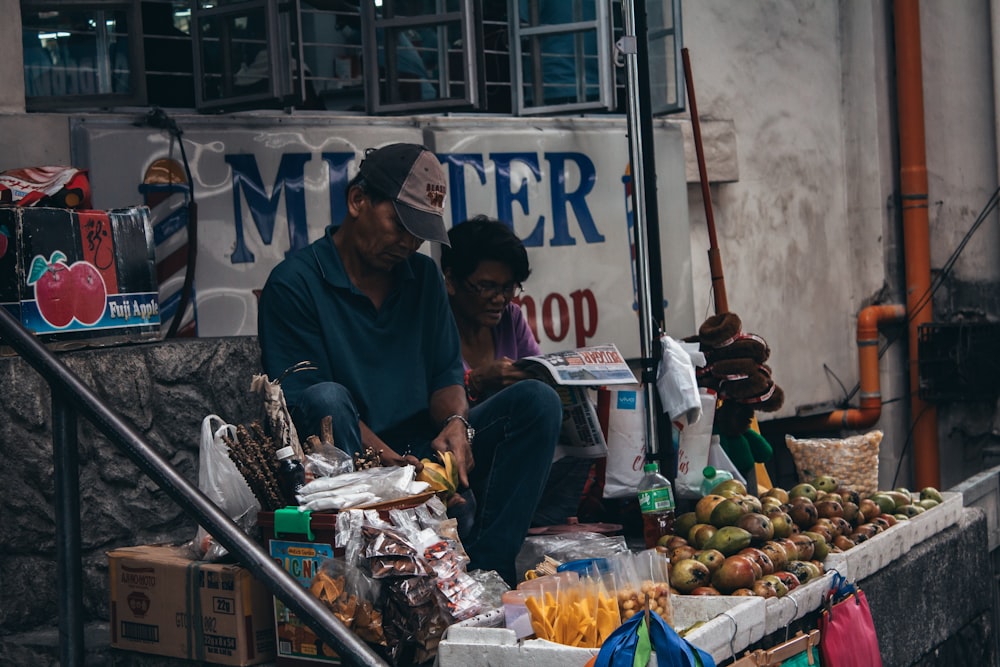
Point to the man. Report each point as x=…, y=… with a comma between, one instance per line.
x=370, y=317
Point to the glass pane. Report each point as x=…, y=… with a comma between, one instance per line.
x=559, y=66
x=234, y=55
x=331, y=42
x=77, y=52
x=425, y=63
x=662, y=72
x=168, y=53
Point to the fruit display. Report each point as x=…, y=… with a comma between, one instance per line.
x=734, y=543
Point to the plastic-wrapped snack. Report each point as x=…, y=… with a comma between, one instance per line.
x=351, y=596
x=642, y=580
x=852, y=461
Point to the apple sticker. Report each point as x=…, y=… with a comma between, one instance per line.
x=65, y=292
x=91, y=294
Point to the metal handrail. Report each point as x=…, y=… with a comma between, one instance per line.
x=69, y=396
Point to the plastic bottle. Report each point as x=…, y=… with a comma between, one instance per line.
x=656, y=500
x=713, y=478
x=291, y=474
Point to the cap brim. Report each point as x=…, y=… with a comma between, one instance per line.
x=423, y=225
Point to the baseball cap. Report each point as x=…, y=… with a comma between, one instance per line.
x=411, y=176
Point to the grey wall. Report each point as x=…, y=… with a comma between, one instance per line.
x=164, y=390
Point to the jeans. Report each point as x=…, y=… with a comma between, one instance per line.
x=563, y=490
x=516, y=434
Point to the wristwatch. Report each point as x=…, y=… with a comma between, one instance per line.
x=470, y=432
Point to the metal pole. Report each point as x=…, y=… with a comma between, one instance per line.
x=194, y=503
x=66, y=457
x=649, y=280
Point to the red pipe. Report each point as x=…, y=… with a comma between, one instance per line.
x=714, y=256
x=916, y=229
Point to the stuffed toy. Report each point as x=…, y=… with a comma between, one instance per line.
x=736, y=370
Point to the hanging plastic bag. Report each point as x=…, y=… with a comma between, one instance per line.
x=222, y=482
x=676, y=382
x=847, y=632
x=693, y=450
x=622, y=408
x=718, y=459
x=629, y=646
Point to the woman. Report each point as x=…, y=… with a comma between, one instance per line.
x=484, y=270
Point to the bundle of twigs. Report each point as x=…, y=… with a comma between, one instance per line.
x=253, y=453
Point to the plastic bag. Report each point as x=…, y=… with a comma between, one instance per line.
x=625, y=412
x=352, y=597
x=222, y=482
x=630, y=644
x=693, y=449
x=852, y=461
x=847, y=632
x=327, y=460
x=677, y=384
x=566, y=547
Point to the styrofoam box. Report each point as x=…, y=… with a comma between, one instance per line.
x=799, y=601
x=936, y=519
x=729, y=624
x=872, y=555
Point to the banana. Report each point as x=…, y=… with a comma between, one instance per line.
x=440, y=477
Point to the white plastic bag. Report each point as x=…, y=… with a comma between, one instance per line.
x=718, y=459
x=693, y=448
x=676, y=381
x=626, y=440
x=221, y=481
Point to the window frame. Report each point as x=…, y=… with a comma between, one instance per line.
x=284, y=85
x=137, y=64
x=601, y=23
x=371, y=24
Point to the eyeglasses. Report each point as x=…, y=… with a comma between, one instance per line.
x=490, y=290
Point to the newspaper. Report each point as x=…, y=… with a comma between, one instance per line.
x=587, y=366
x=572, y=372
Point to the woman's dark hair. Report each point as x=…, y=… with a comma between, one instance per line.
x=483, y=238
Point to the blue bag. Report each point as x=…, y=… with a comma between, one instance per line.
x=629, y=646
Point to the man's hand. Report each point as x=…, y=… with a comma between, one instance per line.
x=453, y=438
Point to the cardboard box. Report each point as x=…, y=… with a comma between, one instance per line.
x=164, y=602
x=79, y=278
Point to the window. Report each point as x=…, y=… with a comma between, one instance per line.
x=376, y=56
x=81, y=54
x=422, y=54
x=561, y=55
x=247, y=54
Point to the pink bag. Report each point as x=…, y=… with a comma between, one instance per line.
x=846, y=629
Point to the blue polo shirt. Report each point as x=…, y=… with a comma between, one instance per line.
x=391, y=359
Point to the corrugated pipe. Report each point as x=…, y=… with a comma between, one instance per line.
x=916, y=229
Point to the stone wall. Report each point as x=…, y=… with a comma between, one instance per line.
x=164, y=390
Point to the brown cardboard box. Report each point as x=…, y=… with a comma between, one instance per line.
x=164, y=602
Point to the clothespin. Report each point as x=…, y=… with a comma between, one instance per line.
x=791, y=648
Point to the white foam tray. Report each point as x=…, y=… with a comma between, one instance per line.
x=799, y=601
x=936, y=519
x=872, y=555
x=728, y=625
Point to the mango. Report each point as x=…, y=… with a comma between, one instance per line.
x=729, y=540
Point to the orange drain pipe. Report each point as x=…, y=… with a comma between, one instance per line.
x=870, y=409
x=916, y=229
